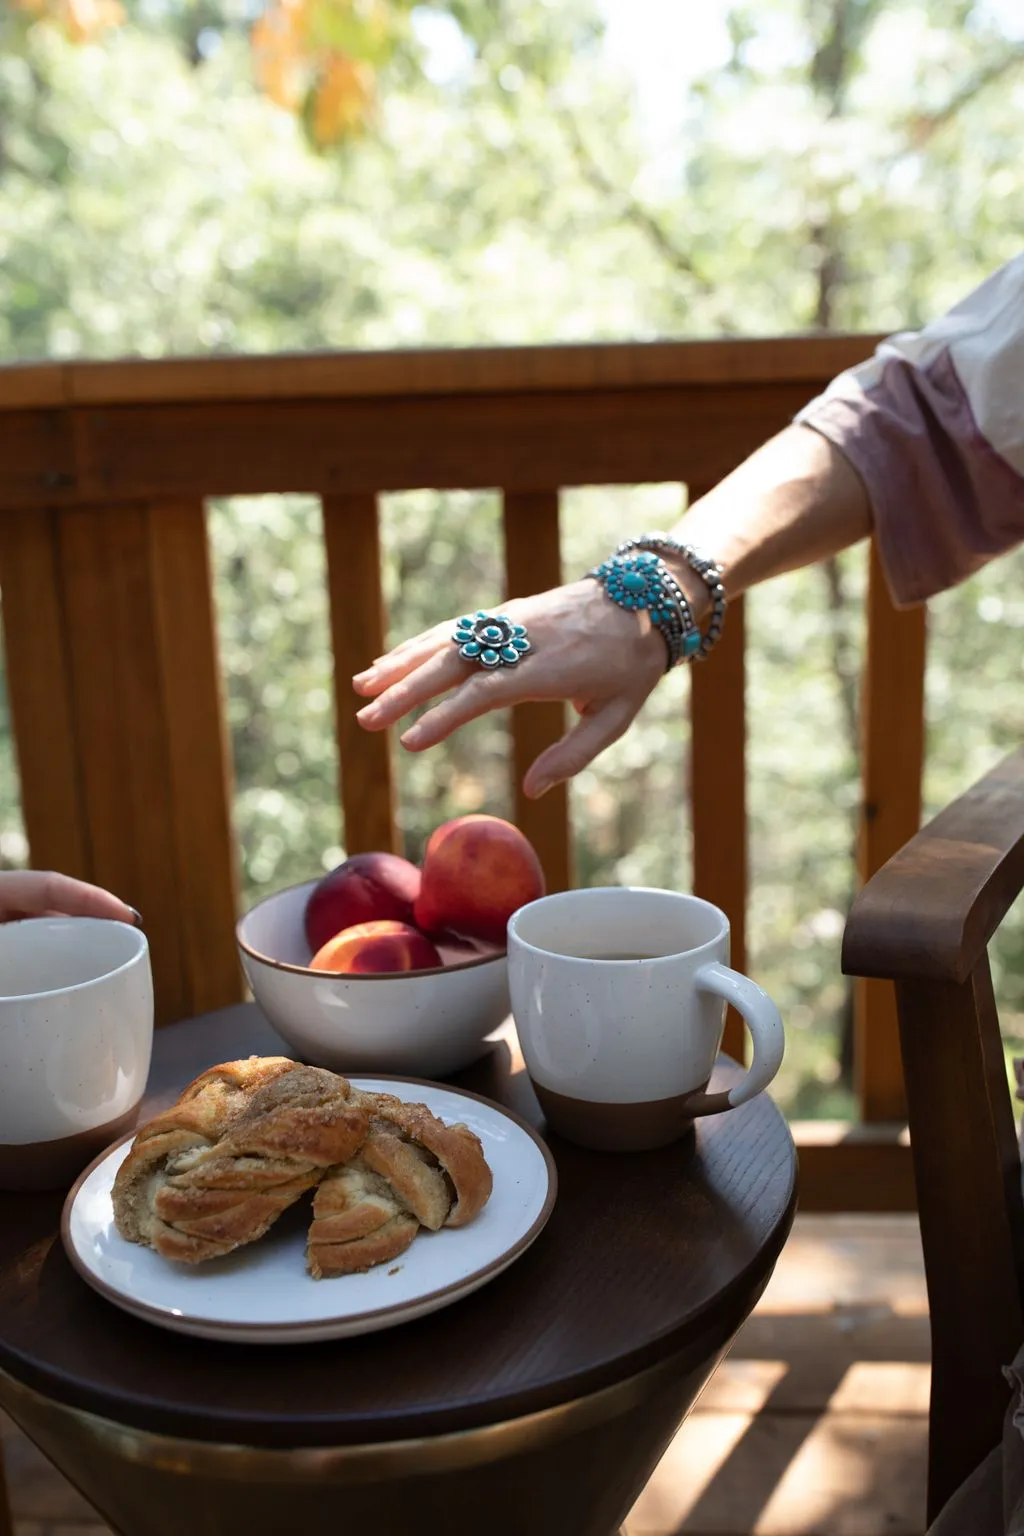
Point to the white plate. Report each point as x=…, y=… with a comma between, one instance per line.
x=262, y=1294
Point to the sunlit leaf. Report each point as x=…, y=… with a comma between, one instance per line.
x=342, y=99
x=278, y=52
x=362, y=31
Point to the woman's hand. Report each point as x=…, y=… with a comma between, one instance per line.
x=32, y=893
x=584, y=649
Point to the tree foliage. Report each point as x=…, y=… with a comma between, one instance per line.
x=185, y=178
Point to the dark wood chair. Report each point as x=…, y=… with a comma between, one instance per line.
x=924, y=921
x=6, y=1518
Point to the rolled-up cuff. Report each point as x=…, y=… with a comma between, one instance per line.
x=944, y=502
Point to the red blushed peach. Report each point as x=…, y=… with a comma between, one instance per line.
x=477, y=871
x=375, y=949
x=368, y=887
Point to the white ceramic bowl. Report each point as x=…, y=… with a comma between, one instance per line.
x=423, y=1023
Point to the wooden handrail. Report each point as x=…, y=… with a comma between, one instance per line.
x=464, y=370
x=525, y=419
x=930, y=912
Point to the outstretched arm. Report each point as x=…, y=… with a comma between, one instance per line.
x=922, y=445
x=795, y=501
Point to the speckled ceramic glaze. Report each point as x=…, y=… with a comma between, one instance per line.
x=76, y=1033
x=418, y=1023
x=620, y=1050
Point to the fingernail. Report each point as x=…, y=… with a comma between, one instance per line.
x=411, y=736
x=136, y=918
x=366, y=713
x=363, y=677
x=541, y=788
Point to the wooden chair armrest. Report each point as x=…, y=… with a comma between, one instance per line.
x=930, y=911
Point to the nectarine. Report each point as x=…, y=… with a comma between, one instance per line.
x=376, y=948
x=368, y=887
x=477, y=871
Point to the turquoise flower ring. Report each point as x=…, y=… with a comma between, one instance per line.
x=491, y=640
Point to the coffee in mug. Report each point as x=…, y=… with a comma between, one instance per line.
x=619, y=997
x=76, y=1035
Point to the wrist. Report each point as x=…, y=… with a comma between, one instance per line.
x=686, y=640
x=694, y=590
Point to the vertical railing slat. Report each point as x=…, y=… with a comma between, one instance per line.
x=115, y=696
x=533, y=563
x=892, y=724
x=198, y=751
x=718, y=792
x=114, y=665
x=358, y=635
x=39, y=692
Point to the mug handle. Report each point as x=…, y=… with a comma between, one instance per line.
x=764, y=1022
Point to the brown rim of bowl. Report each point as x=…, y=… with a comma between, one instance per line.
x=150, y=1312
x=307, y=970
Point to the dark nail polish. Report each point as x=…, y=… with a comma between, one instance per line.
x=136, y=918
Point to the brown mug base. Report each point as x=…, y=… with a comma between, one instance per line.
x=34, y=1167
x=639, y=1127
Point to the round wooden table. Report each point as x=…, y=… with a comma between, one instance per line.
x=540, y=1404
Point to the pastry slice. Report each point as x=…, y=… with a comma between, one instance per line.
x=242, y=1144
x=412, y=1170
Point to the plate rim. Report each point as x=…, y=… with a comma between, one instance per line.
x=151, y=1312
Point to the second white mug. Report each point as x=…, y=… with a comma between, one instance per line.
x=619, y=996
x=76, y=1034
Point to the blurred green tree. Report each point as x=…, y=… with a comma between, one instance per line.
x=852, y=164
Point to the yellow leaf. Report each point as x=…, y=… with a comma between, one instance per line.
x=278, y=56
x=344, y=92
x=86, y=18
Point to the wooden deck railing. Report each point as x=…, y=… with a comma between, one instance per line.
x=113, y=674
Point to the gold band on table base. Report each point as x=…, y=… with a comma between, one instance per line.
x=534, y=1474
x=75, y=1430
x=35, y=1167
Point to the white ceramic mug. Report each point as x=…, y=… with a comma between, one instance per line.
x=76, y=1035
x=619, y=997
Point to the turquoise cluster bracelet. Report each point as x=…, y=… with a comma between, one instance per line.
x=637, y=578
x=709, y=571
x=642, y=582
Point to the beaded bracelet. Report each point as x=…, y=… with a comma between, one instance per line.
x=708, y=571
x=643, y=582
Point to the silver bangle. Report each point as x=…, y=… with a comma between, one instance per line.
x=708, y=570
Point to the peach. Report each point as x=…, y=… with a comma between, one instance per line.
x=368, y=887
x=477, y=871
x=375, y=948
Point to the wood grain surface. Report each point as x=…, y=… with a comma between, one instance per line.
x=924, y=921
x=644, y=1256
x=533, y=563
x=481, y=370
x=930, y=912
x=358, y=636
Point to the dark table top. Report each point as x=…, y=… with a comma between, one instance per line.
x=646, y=1255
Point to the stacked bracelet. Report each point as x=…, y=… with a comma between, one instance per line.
x=642, y=582
x=708, y=570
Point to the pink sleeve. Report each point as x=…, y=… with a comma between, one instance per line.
x=934, y=425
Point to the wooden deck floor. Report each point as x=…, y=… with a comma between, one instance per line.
x=815, y=1426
